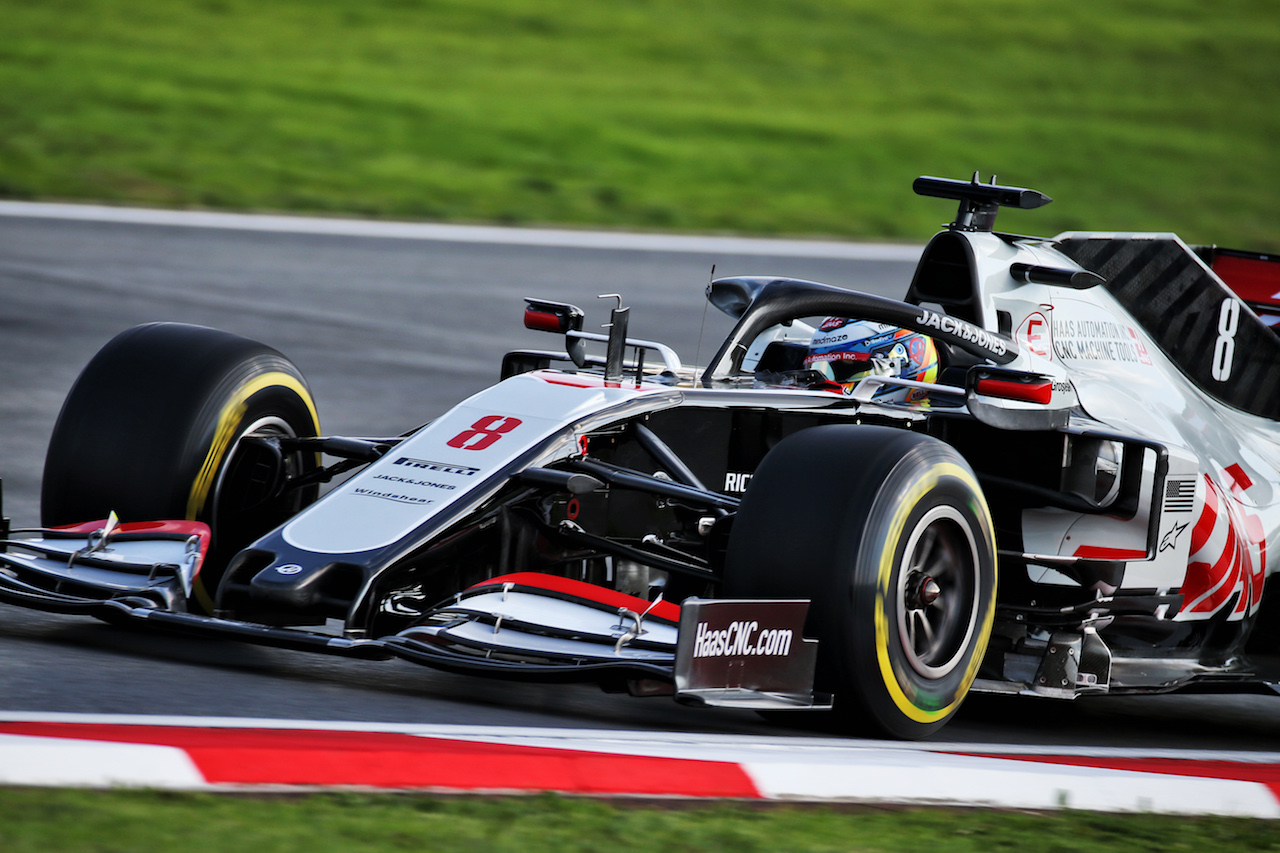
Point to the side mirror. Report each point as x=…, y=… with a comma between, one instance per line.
x=558, y=317
x=1014, y=399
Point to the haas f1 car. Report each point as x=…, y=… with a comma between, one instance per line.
x=1050, y=470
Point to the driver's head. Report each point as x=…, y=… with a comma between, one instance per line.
x=846, y=351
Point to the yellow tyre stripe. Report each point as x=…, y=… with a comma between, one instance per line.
x=229, y=420
x=897, y=527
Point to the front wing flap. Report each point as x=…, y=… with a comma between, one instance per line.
x=54, y=569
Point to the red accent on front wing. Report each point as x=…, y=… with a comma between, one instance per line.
x=664, y=610
x=185, y=528
x=391, y=760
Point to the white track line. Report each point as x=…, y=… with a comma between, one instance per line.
x=489, y=234
x=682, y=744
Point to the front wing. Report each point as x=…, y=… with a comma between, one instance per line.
x=526, y=626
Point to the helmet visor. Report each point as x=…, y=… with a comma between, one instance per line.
x=842, y=367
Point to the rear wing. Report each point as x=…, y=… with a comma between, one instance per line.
x=1254, y=276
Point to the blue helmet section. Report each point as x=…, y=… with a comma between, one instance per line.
x=846, y=351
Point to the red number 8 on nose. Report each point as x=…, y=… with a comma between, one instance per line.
x=484, y=432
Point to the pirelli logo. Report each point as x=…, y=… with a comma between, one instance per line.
x=439, y=467
x=1179, y=495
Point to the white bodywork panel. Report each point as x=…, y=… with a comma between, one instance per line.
x=1226, y=461
x=429, y=471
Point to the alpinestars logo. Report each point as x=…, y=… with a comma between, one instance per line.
x=1170, y=539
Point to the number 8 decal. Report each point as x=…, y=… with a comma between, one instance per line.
x=484, y=432
x=1224, y=351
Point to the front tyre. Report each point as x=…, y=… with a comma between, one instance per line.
x=158, y=426
x=887, y=533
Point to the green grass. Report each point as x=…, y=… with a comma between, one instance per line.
x=758, y=116
x=53, y=821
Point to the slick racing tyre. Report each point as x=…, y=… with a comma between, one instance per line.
x=154, y=429
x=887, y=533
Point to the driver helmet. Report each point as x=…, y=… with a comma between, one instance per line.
x=845, y=351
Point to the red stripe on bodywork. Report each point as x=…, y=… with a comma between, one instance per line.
x=1198, y=580
x=1097, y=552
x=569, y=383
x=585, y=381
x=1242, y=479
x=1224, y=575
x=1208, y=517
x=392, y=760
x=664, y=610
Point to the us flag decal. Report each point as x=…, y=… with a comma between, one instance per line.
x=1179, y=495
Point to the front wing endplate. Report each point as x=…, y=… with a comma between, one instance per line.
x=746, y=654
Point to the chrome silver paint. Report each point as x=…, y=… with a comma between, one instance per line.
x=1125, y=382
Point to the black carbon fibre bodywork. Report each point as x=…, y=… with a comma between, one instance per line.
x=1175, y=297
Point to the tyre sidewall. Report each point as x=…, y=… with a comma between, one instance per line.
x=827, y=518
x=150, y=425
x=265, y=386
x=154, y=408
x=900, y=699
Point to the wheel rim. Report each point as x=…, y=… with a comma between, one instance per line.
x=268, y=427
x=939, y=589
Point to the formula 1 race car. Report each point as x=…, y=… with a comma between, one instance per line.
x=1050, y=470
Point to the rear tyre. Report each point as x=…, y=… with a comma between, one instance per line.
x=887, y=533
x=154, y=429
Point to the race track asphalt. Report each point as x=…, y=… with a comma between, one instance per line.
x=390, y=332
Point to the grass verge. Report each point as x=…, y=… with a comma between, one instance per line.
x=766, y=116
x=52, y=821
